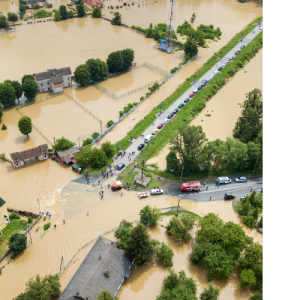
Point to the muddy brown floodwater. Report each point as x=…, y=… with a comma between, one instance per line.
x=223, y=107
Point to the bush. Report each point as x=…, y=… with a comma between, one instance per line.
x=165, y=253
x=4, y=127
x=130, y=105
x=14, y=215
x=47, y=225
x=95, y=135
x=231, y=73
x=109, y=123
x=30, y=219
x=240, y=63
x=249, y=221
x=121, y=113
x=88, y=141
x=135, y=103
x=126, y=109
x=62, y=144
x=174, y=70
x=149, y=215
x=142, y=98
x=17, y=243
x=123, y=233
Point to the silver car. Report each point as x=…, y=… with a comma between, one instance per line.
x=240, y=179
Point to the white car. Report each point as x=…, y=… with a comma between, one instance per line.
x=195, y=91
x=240, y=179
x=157, y=192
x=232, y=57
x=224, y=65
x=213, y=75
x=216, y=72
x=166, y=121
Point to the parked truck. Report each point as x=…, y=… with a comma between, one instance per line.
x=191, y=186
x=116, y=185
x=223, y=180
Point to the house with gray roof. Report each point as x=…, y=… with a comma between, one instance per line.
x=53, y=79
x=104, y=268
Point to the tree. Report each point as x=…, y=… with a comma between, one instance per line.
x=62, y=144
x=128, y=57
x=257, y=296
x=30, y=88
x=63, y=12
x=1, y=111
x=165, y=253
x=260, y=223
x=193, y=18
x=173, y=163
x=87, y=141
x=103, y=67
x=115, y=62
x=94, y=68
x=117, y=19
x=247, y=278
x=139, y=245
x=190, y=48
x=180, y=226
x=25, y=125
x=82, y=74
x=17, y=243
x=7, y=94
x=210, y=293
x=2, y=22
x=80, y=10
x=123, y=233
x=108, y=148
x=178, y=287
x=11, y=16
x=106, y=295
x=41, y=288
x=97, y=12
x=17, y=87
x=249, y=124
x=71, y=14
x=95, y=135
x=251, y=256
x=189, y=147
x=25, y=77
x=98, y=158
x=149, y=215
x=85, y=156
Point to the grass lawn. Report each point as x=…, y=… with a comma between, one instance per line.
x=14, y=226
x=174, y=212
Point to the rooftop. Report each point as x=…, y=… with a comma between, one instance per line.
x=66, y=152
x=92, y=278
x=2, y=202
x=46, y=75
x=29, y=153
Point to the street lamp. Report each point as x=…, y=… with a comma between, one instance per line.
x=181, y=173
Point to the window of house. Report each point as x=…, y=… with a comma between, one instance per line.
x=68, y=78
x=68, y=84
x=42, y=84
x=49, y=82
x=49, y=89
x=42, y=90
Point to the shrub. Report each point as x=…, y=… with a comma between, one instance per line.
x=231, y=73
x=88, y=141
x=126, y=109
x=121, y=113
x=30, y=219
x=174, y=70
x=17, y=243
x=147, y=94
x=165, y=253
x=135, y=103
x=47, y=225
x=149, y=215
x=142, y=98
x=130, y=105
x=240, y=63
x=95, y=135
x=14, y=215
x=62, y=144
x=208, y=115
x=109, y=123
x=249, y=221
x=4, y=127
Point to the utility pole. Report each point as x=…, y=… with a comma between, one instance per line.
x=160, y=106
x=143, y=168
x=38, y=200
x=255, y=165
x=181, y=173
x=78, y=142
x=62, y=262
x=54, y=139
x=101, y=126
x=178, y=206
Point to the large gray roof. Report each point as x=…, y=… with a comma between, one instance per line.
x=46, y=75
x=89, y=280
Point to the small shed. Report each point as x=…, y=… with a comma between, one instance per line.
x=68, y=156
x=104, y=268
x=39, y=153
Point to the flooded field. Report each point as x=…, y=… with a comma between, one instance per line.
x=223, y=107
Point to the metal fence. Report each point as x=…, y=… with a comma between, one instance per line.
x=156, y=69
x=38, y=99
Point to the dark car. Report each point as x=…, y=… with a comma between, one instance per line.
x=186, y=100
x=204, y=83
x=200, y=88
x=236, y=52
x=141, y=146
x=229, y=196
x=160, y=126
x=121, y=166
x=181, y=105
x=175, y=111
x=220, y=68
x=242, y=47
x=170, y=115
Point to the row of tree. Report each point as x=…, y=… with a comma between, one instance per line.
x=96, y=69
x=11, y=16
x=190, y=148
x=10, y=91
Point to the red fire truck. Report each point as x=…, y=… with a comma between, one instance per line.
x=191, y=186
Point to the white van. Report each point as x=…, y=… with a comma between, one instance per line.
x=224, y=180
x=148, y=138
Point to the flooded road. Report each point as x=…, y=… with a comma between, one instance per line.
x=223, y=107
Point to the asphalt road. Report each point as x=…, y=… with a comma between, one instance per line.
x=163, y=116
x=217, y=193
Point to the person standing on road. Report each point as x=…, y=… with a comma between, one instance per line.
x=209, y=198
x=251, y=190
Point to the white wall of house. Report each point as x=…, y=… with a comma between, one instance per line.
x=44, y=86
x=67, y=80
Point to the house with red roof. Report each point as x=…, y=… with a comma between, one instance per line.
x=93, y=3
